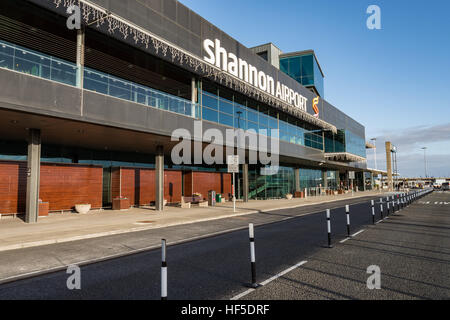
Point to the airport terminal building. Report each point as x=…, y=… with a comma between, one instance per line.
x=87, y=115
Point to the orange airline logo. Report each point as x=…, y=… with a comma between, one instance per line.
x=316, y=107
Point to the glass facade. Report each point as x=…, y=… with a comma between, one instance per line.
x=122, y=89
x=333, y=180
x=335, y=143
x=238, y=115
x=345, y=141
x=354, y=144
x=47, y=67
x=231, y=112
x=310, y=178
x=37, y=64
x=305, y=70
x=271, y=187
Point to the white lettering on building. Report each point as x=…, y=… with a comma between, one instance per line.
x=230, y=63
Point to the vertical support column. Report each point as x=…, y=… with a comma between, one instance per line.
x=194, y=96
x=324, y=179
x=389, y=165
x=159, y=176
x=33, y=175
x=245, y=181
x=297, y=180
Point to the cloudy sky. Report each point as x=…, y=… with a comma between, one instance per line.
x=395, y=81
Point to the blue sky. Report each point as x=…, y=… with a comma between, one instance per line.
x=395, y=81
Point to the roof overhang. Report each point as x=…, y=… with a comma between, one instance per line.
x=370, y=145
x=344, y=157
x=96, y=16
x=376, y=171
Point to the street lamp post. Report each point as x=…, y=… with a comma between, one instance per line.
x=375, y=151
x=425, y=160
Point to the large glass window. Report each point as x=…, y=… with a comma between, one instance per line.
x=6, y=56
x=305, y=70
x=335, y=142
x=310, y=178
x=27, y=61
x=273, y=186
x=238, y=115
x=355, y=144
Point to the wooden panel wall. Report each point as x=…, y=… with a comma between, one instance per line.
x=13, y=187
x=63, y=185
x=138, y=184
x=203, y=182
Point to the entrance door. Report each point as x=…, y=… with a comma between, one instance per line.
x=107, y=196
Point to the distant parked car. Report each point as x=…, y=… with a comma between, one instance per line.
x=445, y=186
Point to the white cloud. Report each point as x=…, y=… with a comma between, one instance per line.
x=410, y=156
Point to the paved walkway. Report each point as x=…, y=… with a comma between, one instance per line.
x=67, y=227
x=411, y=248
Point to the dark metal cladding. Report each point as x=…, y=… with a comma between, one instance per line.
x=177, y=24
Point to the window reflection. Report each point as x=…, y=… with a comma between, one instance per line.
x=30, y=62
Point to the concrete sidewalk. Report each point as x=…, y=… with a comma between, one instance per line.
x=411, y=248
x=67, y=227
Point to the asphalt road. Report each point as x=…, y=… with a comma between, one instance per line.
x=216, y=267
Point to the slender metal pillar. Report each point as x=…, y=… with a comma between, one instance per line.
x=33, y=175
x=159, y=176
x=80, y=57
x=245, y=182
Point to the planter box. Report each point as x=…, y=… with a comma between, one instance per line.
x=121, y=204
x=299, y=194
x=43, y=209
x=82, y=208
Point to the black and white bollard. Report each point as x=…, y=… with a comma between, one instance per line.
x=388, y=209
x=329, y=227
x=163, y=271
x=393, y=206
x=373, y=211
x=347, y=212
x=251, y=232
x=381, y=208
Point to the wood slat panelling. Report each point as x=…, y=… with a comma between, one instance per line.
x=138, y=184
x=203, y=182
x=62, y=185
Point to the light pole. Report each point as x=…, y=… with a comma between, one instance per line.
x=375, y=151
x=425, y=160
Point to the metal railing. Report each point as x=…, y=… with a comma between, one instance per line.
x=44, y=66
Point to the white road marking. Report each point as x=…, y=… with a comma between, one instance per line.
x=359, y=232
x=243, y=294
x=353, y=235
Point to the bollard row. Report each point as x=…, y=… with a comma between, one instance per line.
x=393, y=204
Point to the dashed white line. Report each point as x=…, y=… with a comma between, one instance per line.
x=359, y=232
x=353, y=235
x=243, y=294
